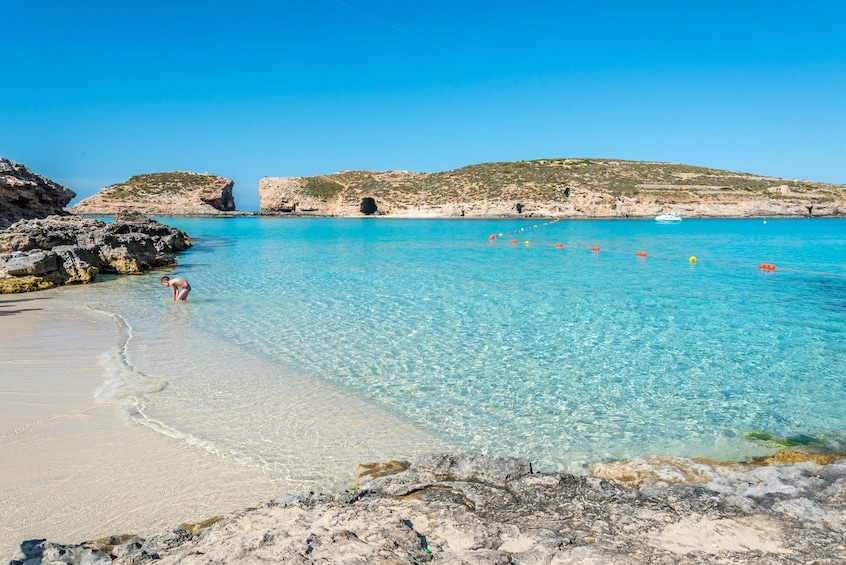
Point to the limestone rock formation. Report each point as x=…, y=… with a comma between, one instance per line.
x=163, y=194
x=57, y=250
x=24, y=194
x=291, y=196
x=599, y=188
x=472, y=509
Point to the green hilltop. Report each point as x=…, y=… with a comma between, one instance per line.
x=174, y=182
x=549, y=179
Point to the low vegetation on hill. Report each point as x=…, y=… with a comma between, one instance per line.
x=550, y=178
x=589, y=187
x=175, y=182
x=170, y=193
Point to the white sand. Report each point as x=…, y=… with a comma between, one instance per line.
x=72, y=469
x=33, y=386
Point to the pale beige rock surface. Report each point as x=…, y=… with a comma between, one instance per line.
x=164, y=194
x=471, y=509
x=571, y=188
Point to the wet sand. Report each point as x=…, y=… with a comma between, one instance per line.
x=76, y=468
x=73, y=469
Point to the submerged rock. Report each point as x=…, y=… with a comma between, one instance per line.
x=454, y=508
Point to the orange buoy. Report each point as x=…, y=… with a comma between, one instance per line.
x=767, y=267
x=594, y=249
x=559, y=245
x=492, y=237
x=641, y=253
x=513, y=242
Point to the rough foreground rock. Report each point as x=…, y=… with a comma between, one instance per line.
x=58, y=250
x=163, y=194
x=468, y=509
x=24, y=194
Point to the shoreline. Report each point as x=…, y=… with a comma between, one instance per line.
x=49, y=459
x=527, y=217
x=73, y=467
x=84, y=469
x=29, y=349
x=476, y=509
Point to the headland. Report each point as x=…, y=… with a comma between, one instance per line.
x=552, y=188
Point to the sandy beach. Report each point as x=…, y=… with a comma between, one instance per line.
x=75, y=467
x=71, y=468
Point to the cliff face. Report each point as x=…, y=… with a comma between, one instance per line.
x=559, y=188
x=42, y=246
x=164, y=194
x=26, y=195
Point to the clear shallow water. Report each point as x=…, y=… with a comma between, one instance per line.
x=376, y=338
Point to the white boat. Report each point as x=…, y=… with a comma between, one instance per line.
x=668, y=218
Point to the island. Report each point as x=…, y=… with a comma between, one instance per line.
x=552, y=188
x=177, y=193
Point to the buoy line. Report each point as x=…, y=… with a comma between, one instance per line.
x=641, y=254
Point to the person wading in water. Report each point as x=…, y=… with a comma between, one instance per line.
x=180, y=287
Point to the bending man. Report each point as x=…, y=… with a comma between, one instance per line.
x=180, y=287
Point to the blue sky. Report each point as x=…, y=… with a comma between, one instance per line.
x=96, y=91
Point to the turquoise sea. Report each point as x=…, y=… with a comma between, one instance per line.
x=321, y=335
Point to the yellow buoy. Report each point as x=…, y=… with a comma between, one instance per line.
x=693, y=258
x=525, y=243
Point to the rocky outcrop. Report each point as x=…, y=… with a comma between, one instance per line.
x=163, y=194
x=58, y=250
x=24, y=194
x=42, y=246
x=589, y=188
x=473, y=509
x=289, y=196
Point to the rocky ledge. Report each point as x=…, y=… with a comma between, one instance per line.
x=467, y=509
x=163, y=194
x=24, y=194
x=42, y=253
